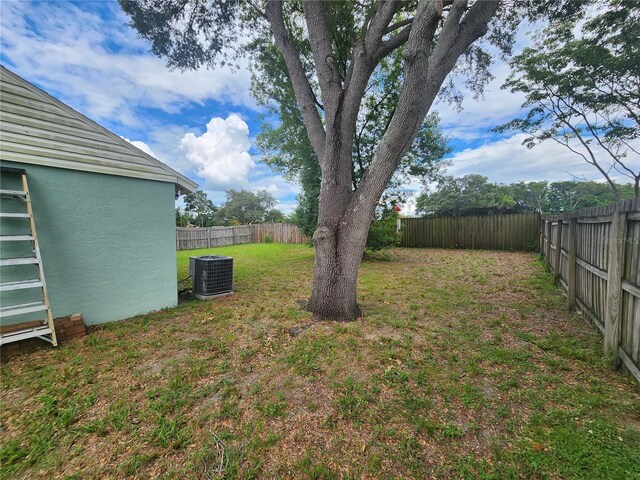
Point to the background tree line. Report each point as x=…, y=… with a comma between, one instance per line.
x=473, y=194
x=242, y=207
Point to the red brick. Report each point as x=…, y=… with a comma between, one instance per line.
x=67, y=328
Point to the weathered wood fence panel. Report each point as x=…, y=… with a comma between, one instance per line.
x=192, y=238
x=278, y=233
x=518, y=231
x=595, y=255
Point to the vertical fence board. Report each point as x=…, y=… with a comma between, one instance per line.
x=616, y=251
x=572, y=246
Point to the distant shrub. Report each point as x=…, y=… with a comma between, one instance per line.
x=267, y=238
x=382, y=235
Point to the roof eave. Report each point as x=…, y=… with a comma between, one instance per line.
x=184, y=185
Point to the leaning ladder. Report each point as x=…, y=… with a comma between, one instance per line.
x=46, y=330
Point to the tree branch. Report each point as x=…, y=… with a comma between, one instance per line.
x=301, y=86
x=629, y=146
x=566, y=144
x=593, y=161
x=594, y=132
x=388, y=46
x=385, y=11
x=397, y=25
x=459, y=35
x=256, y=9
x=362, y=64
x=371, y=49
x=322, y=49
x=623, y=170
x=632, y=114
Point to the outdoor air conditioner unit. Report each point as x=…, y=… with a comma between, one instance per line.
x=211, y=275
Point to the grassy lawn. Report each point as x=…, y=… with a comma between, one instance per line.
x=466, y=365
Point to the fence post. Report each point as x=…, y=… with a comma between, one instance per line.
x=541, y=236
x=208, y=238
x=547, y=249
x=557, y=261
x=572, y=248
x=612, y=315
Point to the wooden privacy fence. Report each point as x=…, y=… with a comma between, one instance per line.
x=190, y=238
x=517, y=231
x=278, y=233
x=595, y=255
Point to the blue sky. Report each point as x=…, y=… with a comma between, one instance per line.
x=203, y=123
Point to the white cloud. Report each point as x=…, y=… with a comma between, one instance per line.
x=495, y=107
x=167, y=144
x=262, y=178
x=141, y=146
x=221, y=154
x=98, y=65
x=507, y=160
x=165, y=141
x=271, y=188
x=287, y=207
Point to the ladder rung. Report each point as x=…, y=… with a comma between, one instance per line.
x=26, y=333
x=13, y=193
x=18, y=261
x=15, y=238
x=20, y=309
x=5, y=287
x=14, y=215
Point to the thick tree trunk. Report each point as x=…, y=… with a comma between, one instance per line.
x=338, y=256
x=338, y=245
x=335, y=276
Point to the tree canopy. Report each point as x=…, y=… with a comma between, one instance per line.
x=581, y=82
x=201, y=207
x=244, y=208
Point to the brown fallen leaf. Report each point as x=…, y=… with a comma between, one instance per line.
x=538, y=447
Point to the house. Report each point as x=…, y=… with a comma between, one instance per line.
x=104, y=210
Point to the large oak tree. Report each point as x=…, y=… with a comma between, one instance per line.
x=332, y=51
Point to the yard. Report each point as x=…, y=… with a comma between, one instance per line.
x=466, y=365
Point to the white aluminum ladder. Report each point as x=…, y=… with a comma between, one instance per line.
x=46, y=330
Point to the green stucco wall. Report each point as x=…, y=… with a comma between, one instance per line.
x=107, y=243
